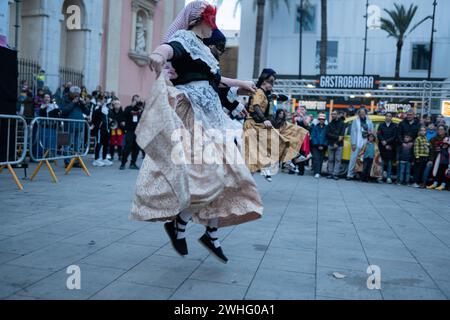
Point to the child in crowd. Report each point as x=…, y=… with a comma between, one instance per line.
x=441, y=169
x=369, y=161
x=406, y=155
x=117, y=129
x=431, y=131
x=421, y=156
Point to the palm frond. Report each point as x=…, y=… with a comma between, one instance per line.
x=389, y=27
x=419, y=23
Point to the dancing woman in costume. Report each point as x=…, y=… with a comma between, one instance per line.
x=295, y=134
x=213, y=193
x=265, y=148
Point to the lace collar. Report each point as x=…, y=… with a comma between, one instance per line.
x=196, y=48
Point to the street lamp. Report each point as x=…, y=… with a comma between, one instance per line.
x=17, y=26
x=300, y=20
x=431, y=41
x=365, y=38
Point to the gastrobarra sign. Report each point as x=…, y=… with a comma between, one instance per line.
x=349, y=81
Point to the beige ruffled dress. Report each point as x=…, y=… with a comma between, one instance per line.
x=170, y=179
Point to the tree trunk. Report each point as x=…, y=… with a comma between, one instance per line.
x=258, y=39
x=323, y=38
x=398, y=58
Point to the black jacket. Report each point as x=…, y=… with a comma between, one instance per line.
x=407, y=128
x=100, y=120
x=131, y=116
x=388, y=134
x=334, y=130
x=118, y=117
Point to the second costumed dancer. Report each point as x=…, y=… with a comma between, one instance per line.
x=213, y=193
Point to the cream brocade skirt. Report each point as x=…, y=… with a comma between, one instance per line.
x=164, y=188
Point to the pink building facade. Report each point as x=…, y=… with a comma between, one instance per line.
x=132, y=29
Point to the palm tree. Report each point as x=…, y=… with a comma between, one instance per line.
x=398, y=27
x=323, y=37
x=304, y=14
x=260, y=5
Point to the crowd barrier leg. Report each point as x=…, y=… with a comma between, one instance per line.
x=72, y=162
x=47, y=163
x=13, y=173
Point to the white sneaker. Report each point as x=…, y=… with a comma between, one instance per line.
x=292, y=166
x=317, y=176
x=415, y=185
x=107, y=163
x=98, y=163
x=108, y=157
x=388, y=180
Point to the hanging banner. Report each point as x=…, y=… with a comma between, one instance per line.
x=349, y=81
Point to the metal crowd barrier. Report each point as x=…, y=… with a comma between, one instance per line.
x=13, y=144
x=54, y=139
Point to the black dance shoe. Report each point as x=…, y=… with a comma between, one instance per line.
x=179, y=245
x=207, y=242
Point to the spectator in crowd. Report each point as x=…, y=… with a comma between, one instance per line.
x=406, y=156
x=38, y=101
x=369, y=162
x=84, y=93
x=49, y=109
x=74, y=108
x=114, y=96
x=431, y=131
x=440, y=120
x=387, y=137
x=47, y=131
x=361, y=127
x=66, y=91
x=426, y=120
x=421, y=158
x=59, y=94
x=40, y=79
x=131, y=116
x=25, y=105
x=436, y=144
x=91, y=105
x=319, y=145
x=100, y=119
x=335, y=132
x=117, y=129
x=441, y=169
x=302, y=119
x=409, y=126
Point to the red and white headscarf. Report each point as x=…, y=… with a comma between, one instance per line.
x=190, y=15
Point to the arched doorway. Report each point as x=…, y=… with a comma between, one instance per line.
x=72, y=52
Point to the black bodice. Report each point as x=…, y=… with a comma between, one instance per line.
x=189, y=70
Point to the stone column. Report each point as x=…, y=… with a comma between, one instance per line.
x=134, y=9
x=4, y=19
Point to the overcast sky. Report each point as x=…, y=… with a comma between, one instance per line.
x=226, y=20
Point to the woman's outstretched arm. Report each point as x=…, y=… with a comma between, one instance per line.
x=159, y=57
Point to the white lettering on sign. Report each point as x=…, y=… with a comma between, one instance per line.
x=395, y=107
x=347, y=82
x=313, y=105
